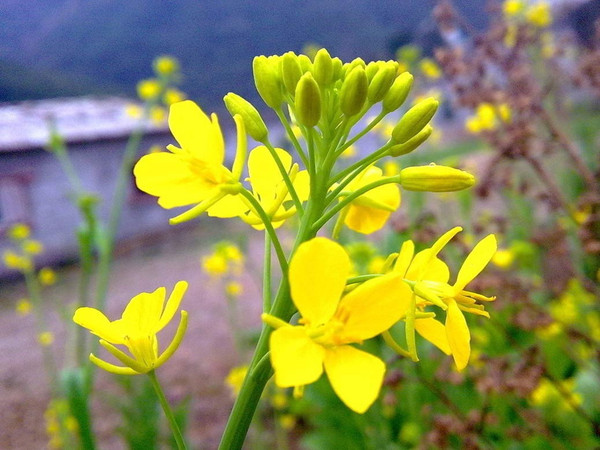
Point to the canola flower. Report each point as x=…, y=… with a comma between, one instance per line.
x=428, y=275
x=47, y=276
x=23, y=307
x=488, y=117
x=331, y=323
x=19, y=232
x=539, y=15
x=145, y=315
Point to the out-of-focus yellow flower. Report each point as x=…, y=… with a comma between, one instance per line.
x=194, y=173
x=15, y=261
x=350, y=152
x=487, y=117
x=539, y=15
x=134, y=111
x=369, y=212
x=376, y=265
x=46, y=338
x=165, y=65
x=157, y=114
x=235, y=378
x=23, y=307
x=279, y=399
x=287, y=421
x=172, y=95
x=47, y=276
x=552, y=330
x=503, y=258
x=430, y=68
x=234, y=289
x=510, y=38
x=547, y=392
x=145, y=315
x=215, y=264
x=329, y=325
x=513, y=8
x=548, y=45
x=19, y=231
x=32, y=247
x=58, y=419
x=390, y=168
x=149, y=89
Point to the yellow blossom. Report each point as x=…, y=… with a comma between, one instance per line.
x=194, y=173
x=350, y=152
x=15, y=261
x=32, y=247
x=165, y=65
x=503, y=258
x=46, y=338
x=539, y=15
x=19, y=231
x=330, y=324
x=287, y=421
x=23, y=307
x=172, y=95
x=149, y=89
x=215, y=264
x=145, y=315
x=234, y=289
x=430, y=69
x=390, y=168
x=513, y=8
x=552, y=330
x=157, y=114
x=47, y=276
x=235, y=378
x=369, y=212
x=134, y=111
x=548, y=392
x=510, y=38
x=429, y=277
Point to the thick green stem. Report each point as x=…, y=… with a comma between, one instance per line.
x=168, y=412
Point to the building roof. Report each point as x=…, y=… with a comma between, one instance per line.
x=26, y=125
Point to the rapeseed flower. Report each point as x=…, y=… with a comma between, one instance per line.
x=194, y=173
x=47, y=276
x=32, y=247
x=19, y=231
x=429, y=277
x=369, y=212
x=331, y=323
x=23, y=307
x=539, y=15
x=145, y=315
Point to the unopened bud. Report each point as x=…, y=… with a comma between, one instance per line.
x=323, y=68
x=255, y=125
x=337, y=68
x=398, y=92
x=372, y=68
x=412, y=143
x=382, y=81
x=354, y=92
x=290, y=71
x=267, y=80
x=414, y=120
x=305, y=63
x=433, y=178
x=308, y=101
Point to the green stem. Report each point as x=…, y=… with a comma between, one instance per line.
x=286, y=178
x=292, y=137
x=168, y=412
x=267, y=275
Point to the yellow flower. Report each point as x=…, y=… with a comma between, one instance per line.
x=503, y=258
x=19, y=231
x=194, y=173
x=46, y=338
x=149, y=89
x=287, y=421
x=166, y=65
x=369, y=212
x=134, y=111
x=269, y=187
x=47, y=276
x=18, y=262
x=145, y=315
x=235, y=378
x=430, y=275
x=215, y=264
x=173, y=96
x=234, y=289
x=157, y=114
x=32, y=247
x=299, y=354
x=430, y=69
x=513, y=8
x=539, y=15
x=350, y=152
x=23, y=307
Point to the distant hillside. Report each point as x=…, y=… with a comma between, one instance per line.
x=109, y=44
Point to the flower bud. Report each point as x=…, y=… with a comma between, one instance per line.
x=337, y=68
x=382, y=81
x=433, y=178
x=397, y=92
x=255, y=125
x=414, y=120
x=267, y=80
x=412, y=143
x=308, y=101
x=354, y=92
x=290, y=71
x=305, y=63
x=323, y=68
x=372, y=68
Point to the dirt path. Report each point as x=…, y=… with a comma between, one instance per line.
x=198, y=368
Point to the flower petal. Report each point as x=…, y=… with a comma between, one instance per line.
x=355, y=376
x=264, y=174
x=318, y=272
x=364, y=219
x=172, y=304
x=296, y=359
x=196, y=133
x=142, y=314
x=405, y=257
x=479, y=257
x=228, y=206
x=459, y=337
x=435, y=332
x=169, y=177
x=426, y=266
x=373, y=307
x=98, y=324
